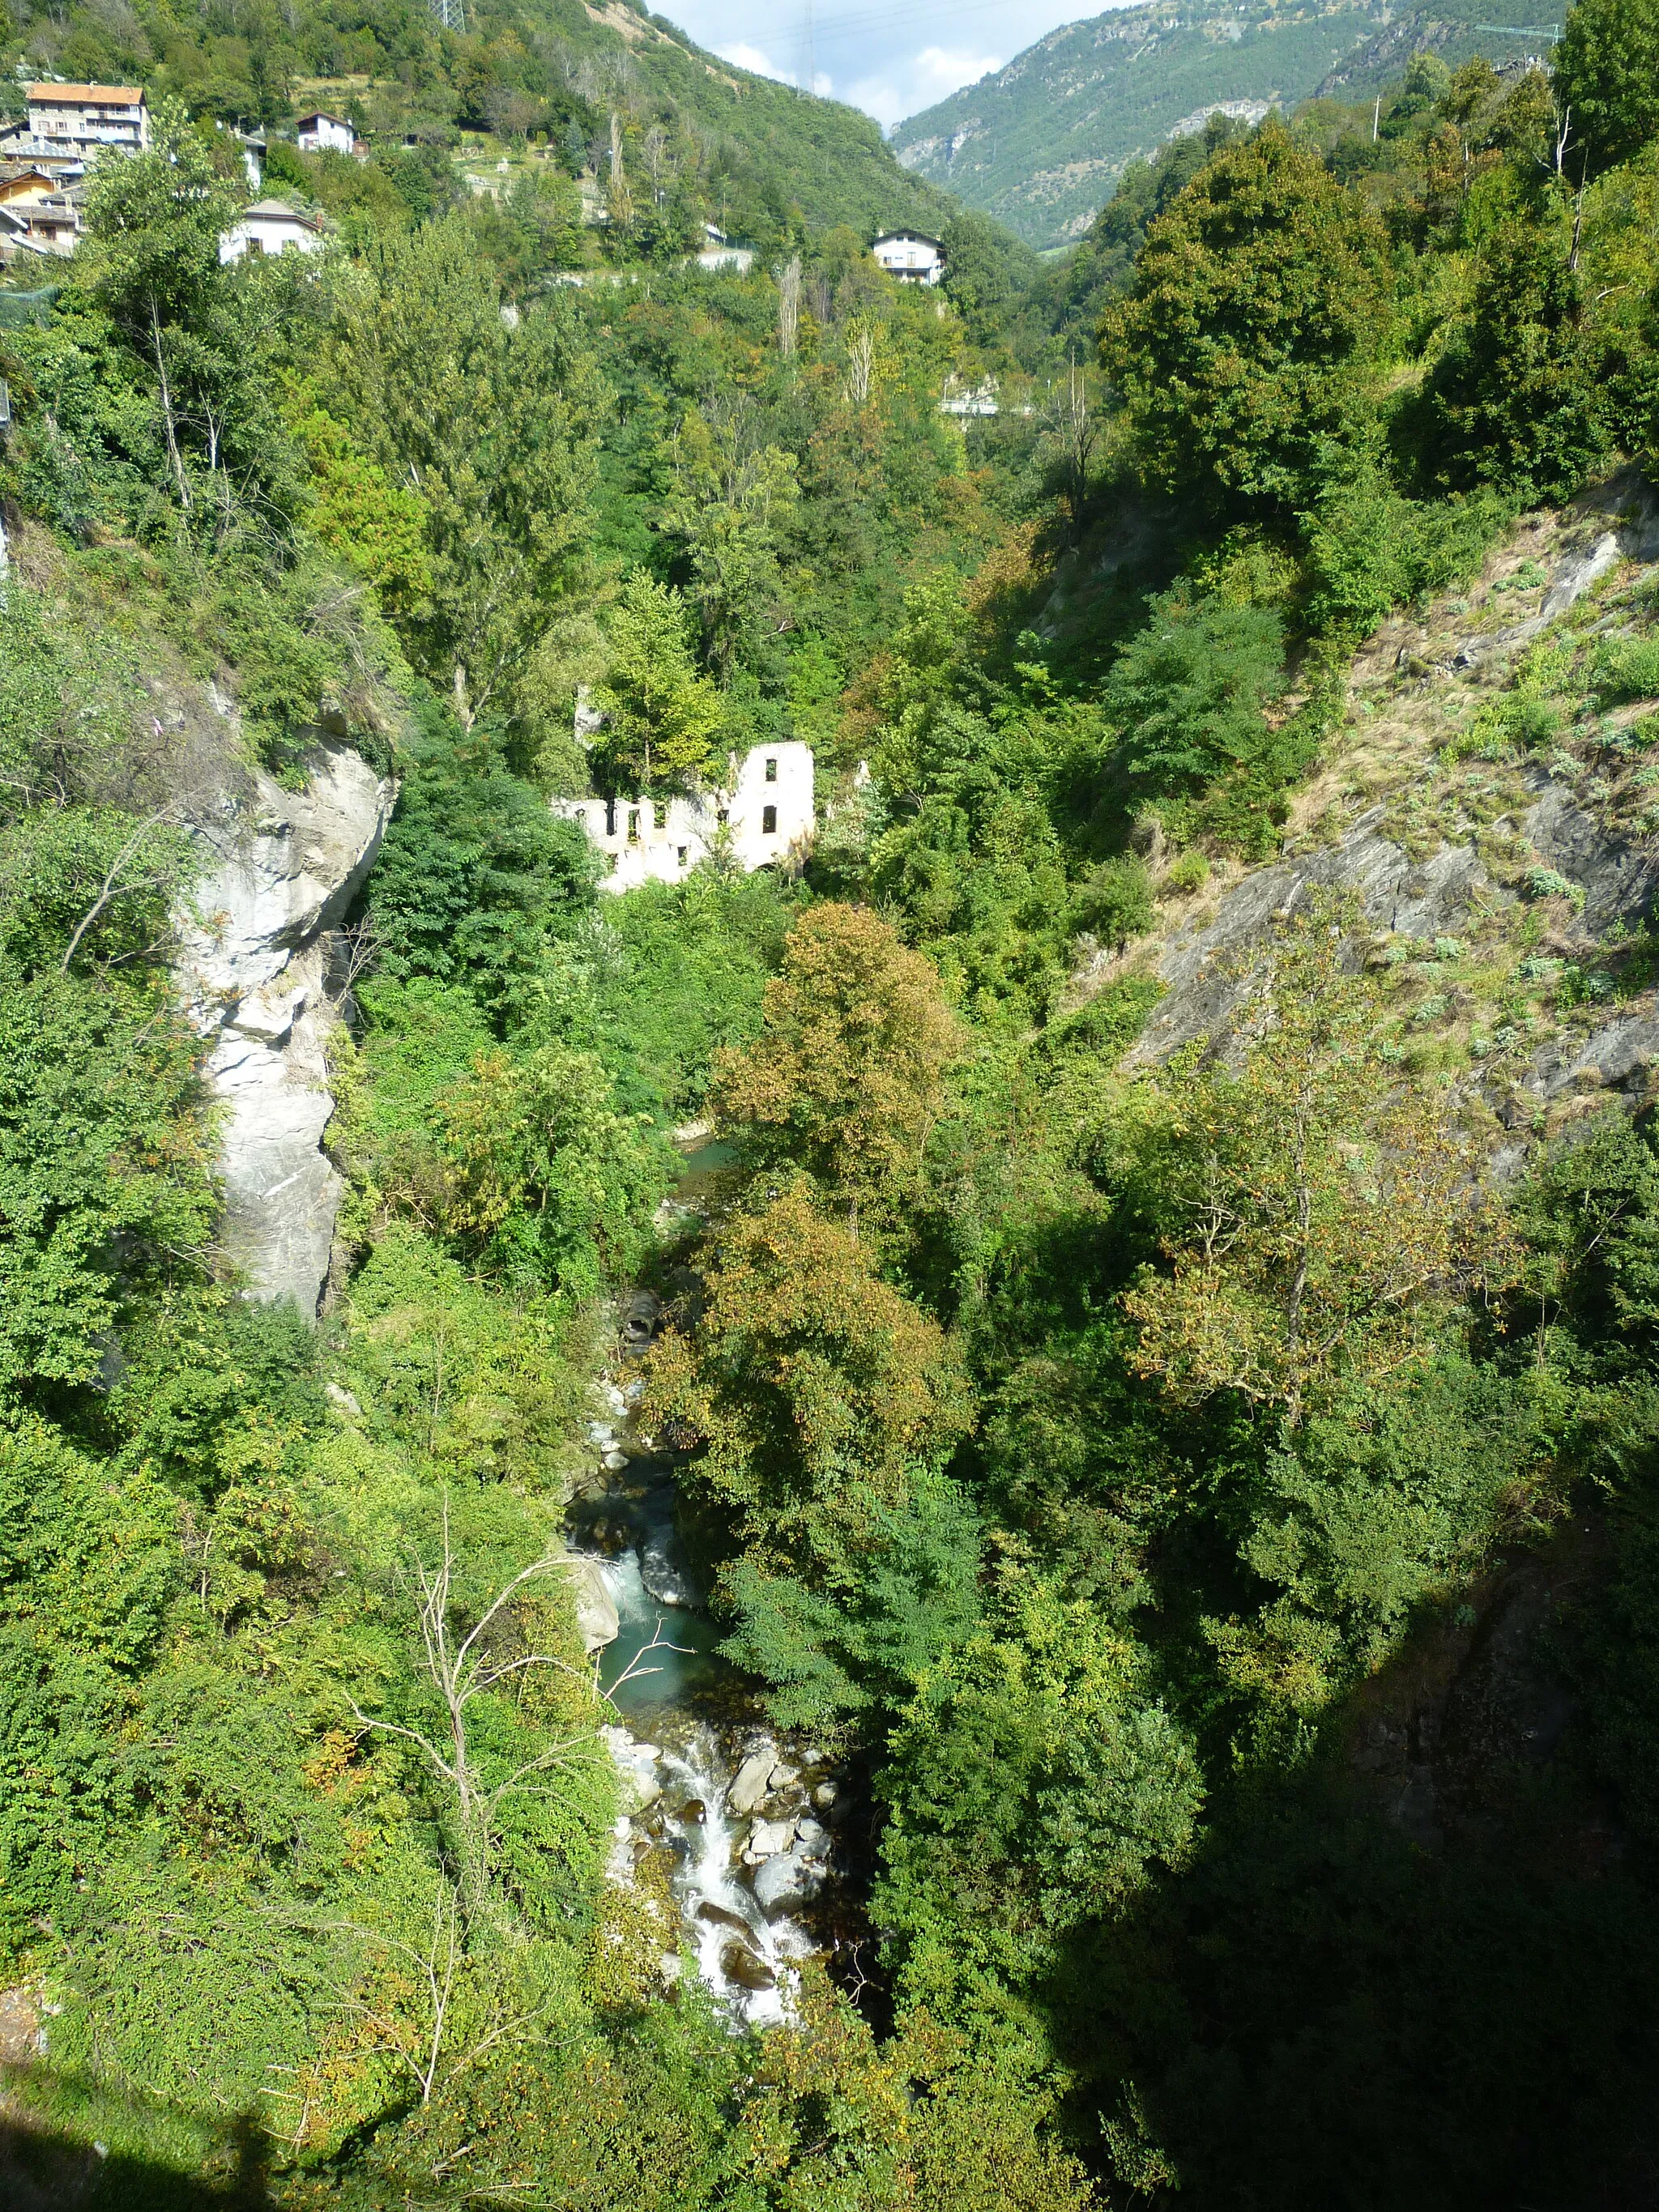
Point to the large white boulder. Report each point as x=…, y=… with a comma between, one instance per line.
x=281, y=867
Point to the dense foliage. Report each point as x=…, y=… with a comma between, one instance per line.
x=1209, y=1509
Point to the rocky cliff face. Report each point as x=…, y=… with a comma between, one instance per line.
x=280, y=870
x=1482, y=871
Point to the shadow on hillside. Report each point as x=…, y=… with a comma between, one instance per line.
x=47, y=2166
x=1423, y=1974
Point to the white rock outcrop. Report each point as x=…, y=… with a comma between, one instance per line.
x=283, y=867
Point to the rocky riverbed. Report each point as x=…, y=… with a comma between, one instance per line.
x=744, y=1824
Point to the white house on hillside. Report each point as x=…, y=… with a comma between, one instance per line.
x=762, y=816
x=271, y=226
x=911, y=256
x=320, y=133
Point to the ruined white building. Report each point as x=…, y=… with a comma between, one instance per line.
x=760, y=814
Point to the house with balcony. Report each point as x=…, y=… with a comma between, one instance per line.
x=87, y=119
x=322, y=133
x=911, y=256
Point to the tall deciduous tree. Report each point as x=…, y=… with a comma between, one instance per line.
x=812, y=1390
x=660, y=714
x=152, y=261
x=1260, y=295
x=491, y=419
x=1606, y=74
x=733, y=493
x=846, y=1079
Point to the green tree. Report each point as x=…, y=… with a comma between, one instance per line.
x=1317, y=1214
x=1033, y=1784
x=660, y=715
x=491, y=420
x=1606, y=74
x=1518, y=399
x=534, y=1164
x=1188, y=690
x=733, y=494
x=846, y=1078
x=151, y=261
x=811, y=1391
x=1260, y=305
x=986, y=271
x=875, y=1622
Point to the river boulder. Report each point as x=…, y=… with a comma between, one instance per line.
x=748, y=1782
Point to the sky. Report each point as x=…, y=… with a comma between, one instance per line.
x=891, y=62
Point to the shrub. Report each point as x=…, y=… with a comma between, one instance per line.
x=1627, y=668
x=1115, y=901
x=1188, y=872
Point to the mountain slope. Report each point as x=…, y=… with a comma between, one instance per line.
x=1040, y=143
x=765, y=158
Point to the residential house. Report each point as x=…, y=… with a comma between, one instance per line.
x=320, y=133
x=25, y=180
x=43, y=215
x=19, y=146
x=911, y=256
x=271, y=226
x=14, y=238
x=86, y=119
x=761, y=815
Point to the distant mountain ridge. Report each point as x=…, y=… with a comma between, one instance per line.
x=1041, y=143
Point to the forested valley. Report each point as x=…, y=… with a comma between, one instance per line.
x=1161, y=1407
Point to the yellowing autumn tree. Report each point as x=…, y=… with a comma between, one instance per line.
x=1325, y=1206
x=812, y=1390
x=847, y=1077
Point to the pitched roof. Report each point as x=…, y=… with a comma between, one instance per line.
x=279, y=211
x=86, y=95
x=321, y=115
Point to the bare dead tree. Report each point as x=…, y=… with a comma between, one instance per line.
x=117, y=883
x=860, y=364
x=1073, y=428
x=788, y=306
x=461, y=1672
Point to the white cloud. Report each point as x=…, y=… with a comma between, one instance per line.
x=918, y=82
x=743, y=55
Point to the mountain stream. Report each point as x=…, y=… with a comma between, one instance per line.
x=743, y=1821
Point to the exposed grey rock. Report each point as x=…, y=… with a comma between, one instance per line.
x=282, y=868
x=748, y=1782
x=1578, y=572
x=746, y=1968
x=596, y=1609
x=661, y=1572
x=1618, y=878
x=782, y=1775
x=811, y=1833
x=1206, y=967
x=788, y=1879
x=1617, y=1058
x=766, y=1838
